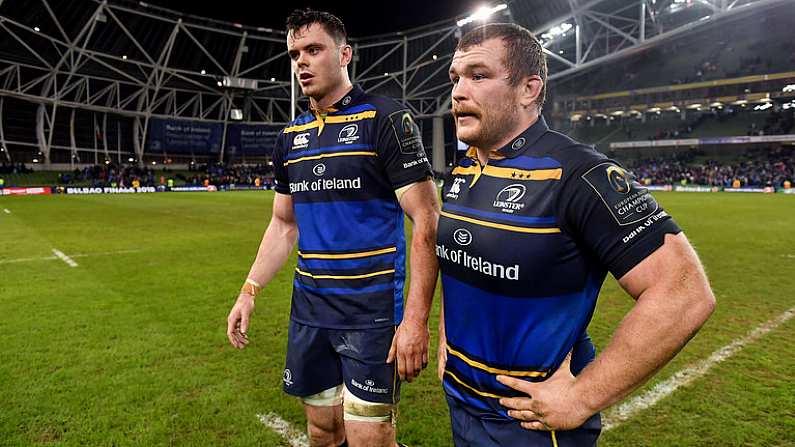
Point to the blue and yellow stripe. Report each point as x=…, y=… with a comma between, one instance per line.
x=500, y=226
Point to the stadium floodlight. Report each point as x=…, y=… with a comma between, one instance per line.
x=482, y=13
x=694, y=106
x=273, y=79
x=559, y=30
x=36, y=28
x=124, y=57
x=716, y=104
x=653, y=110
x=740, y=102
x=35, y=160
x=131, y=159
x=764, y=106
x=204, y=72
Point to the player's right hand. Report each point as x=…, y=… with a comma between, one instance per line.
x=237, y=322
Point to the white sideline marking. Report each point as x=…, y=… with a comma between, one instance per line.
x=9, y=261
x=294, y=437
x=630, y=408
x=69, y=261
x=6, y=210
x=79, y=255
x=788, y=256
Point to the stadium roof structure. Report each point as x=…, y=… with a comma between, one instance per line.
x=139, y=60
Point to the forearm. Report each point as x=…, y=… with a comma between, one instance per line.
x=423, y=270
x=658, y=326
x=274, y=250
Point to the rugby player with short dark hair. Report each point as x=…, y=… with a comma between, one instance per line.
x=346, y=171
x=531, y=223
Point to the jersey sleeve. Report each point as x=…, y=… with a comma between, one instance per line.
x=280, y=178
x=617, y=219
x=400, y=149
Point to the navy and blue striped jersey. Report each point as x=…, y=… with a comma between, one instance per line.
x=524, y=244
x=341, y=170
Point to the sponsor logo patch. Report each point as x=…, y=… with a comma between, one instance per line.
x=627, y=201
x=407, y=132
x=508, y=199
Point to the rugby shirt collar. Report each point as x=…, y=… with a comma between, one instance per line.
x=350, y=98
x=525, y=140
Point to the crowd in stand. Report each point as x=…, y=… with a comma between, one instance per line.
x=758, y=169
x=254, y=175
x=14, y=168
x=776, y=122
x=198, y=175
x=110, y=175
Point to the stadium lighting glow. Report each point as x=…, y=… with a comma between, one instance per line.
x=107, y=162
x=654, y=109
x=219, y=83
x=716, y=104
x=740, y=102
x=788, y=88
x=618, y=113
x=124, y=57
x=35, y=160
x=131, y=159
x=273, y=79
x=204, y=72
x=386, y=74
x=482, y=13
x=555, y=31
x=561, y=51
x=694, y=106
x=154, y=162
x=764, y=106
x=435, y=57
x=36, y=28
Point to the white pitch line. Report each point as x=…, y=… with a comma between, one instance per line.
x=105, y=253
x=45, y=258
x=294, y=437
x=78, y=255
x=684, y=377
x=69, y=261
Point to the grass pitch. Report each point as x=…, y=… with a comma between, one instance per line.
x=129, y=347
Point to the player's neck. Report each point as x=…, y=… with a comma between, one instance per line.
x=510, y=135
x=329, y=99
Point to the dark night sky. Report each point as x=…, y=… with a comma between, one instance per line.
x=361, y=18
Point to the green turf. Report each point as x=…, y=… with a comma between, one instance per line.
x=130, y=348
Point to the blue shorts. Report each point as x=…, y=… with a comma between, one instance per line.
x=474, y=429
x=319, y=359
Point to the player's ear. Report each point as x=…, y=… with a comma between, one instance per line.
x=346, y=55
x=529, y=90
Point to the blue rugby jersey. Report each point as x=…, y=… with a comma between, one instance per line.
x=524, y=245
x=342, y=171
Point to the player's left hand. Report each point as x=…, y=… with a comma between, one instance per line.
x=549, y=405
x=410, y=349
